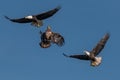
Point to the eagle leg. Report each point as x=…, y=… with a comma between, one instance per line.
x=37, y=23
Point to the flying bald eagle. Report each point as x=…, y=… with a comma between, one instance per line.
x=49, y=37
x=92, y=55
x=36, y=20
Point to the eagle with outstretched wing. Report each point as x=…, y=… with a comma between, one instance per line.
x=36, y=20
x=49, y=37
x=92, y=55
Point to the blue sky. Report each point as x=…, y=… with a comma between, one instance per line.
x=81, y=22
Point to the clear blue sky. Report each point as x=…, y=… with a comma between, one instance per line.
x=81, y=22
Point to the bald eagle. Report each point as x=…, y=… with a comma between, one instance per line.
x=36, y=20
x=49, y=37
x=92, y=55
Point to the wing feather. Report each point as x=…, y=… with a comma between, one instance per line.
x=20, y=20
x=57, y=39
x=81, y=57
x=100, y=45
x=48, y=13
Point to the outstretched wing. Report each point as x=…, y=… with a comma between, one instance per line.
x=81, y=57
x=57, y=39
x=48, y=13
x=100, y=45
x=20, y=20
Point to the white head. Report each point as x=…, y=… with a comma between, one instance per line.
x=29, y=17
x=87, y=53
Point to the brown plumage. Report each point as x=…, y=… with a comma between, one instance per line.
x=45, y=44
x=49, y=37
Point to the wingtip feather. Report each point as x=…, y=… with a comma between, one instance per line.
x=7, y=17
x=58, y=7
x=107, y=35
x=65, y=55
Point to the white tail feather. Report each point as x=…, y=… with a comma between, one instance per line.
x=96, y=62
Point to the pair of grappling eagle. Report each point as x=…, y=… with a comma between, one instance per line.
x=49, y=37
